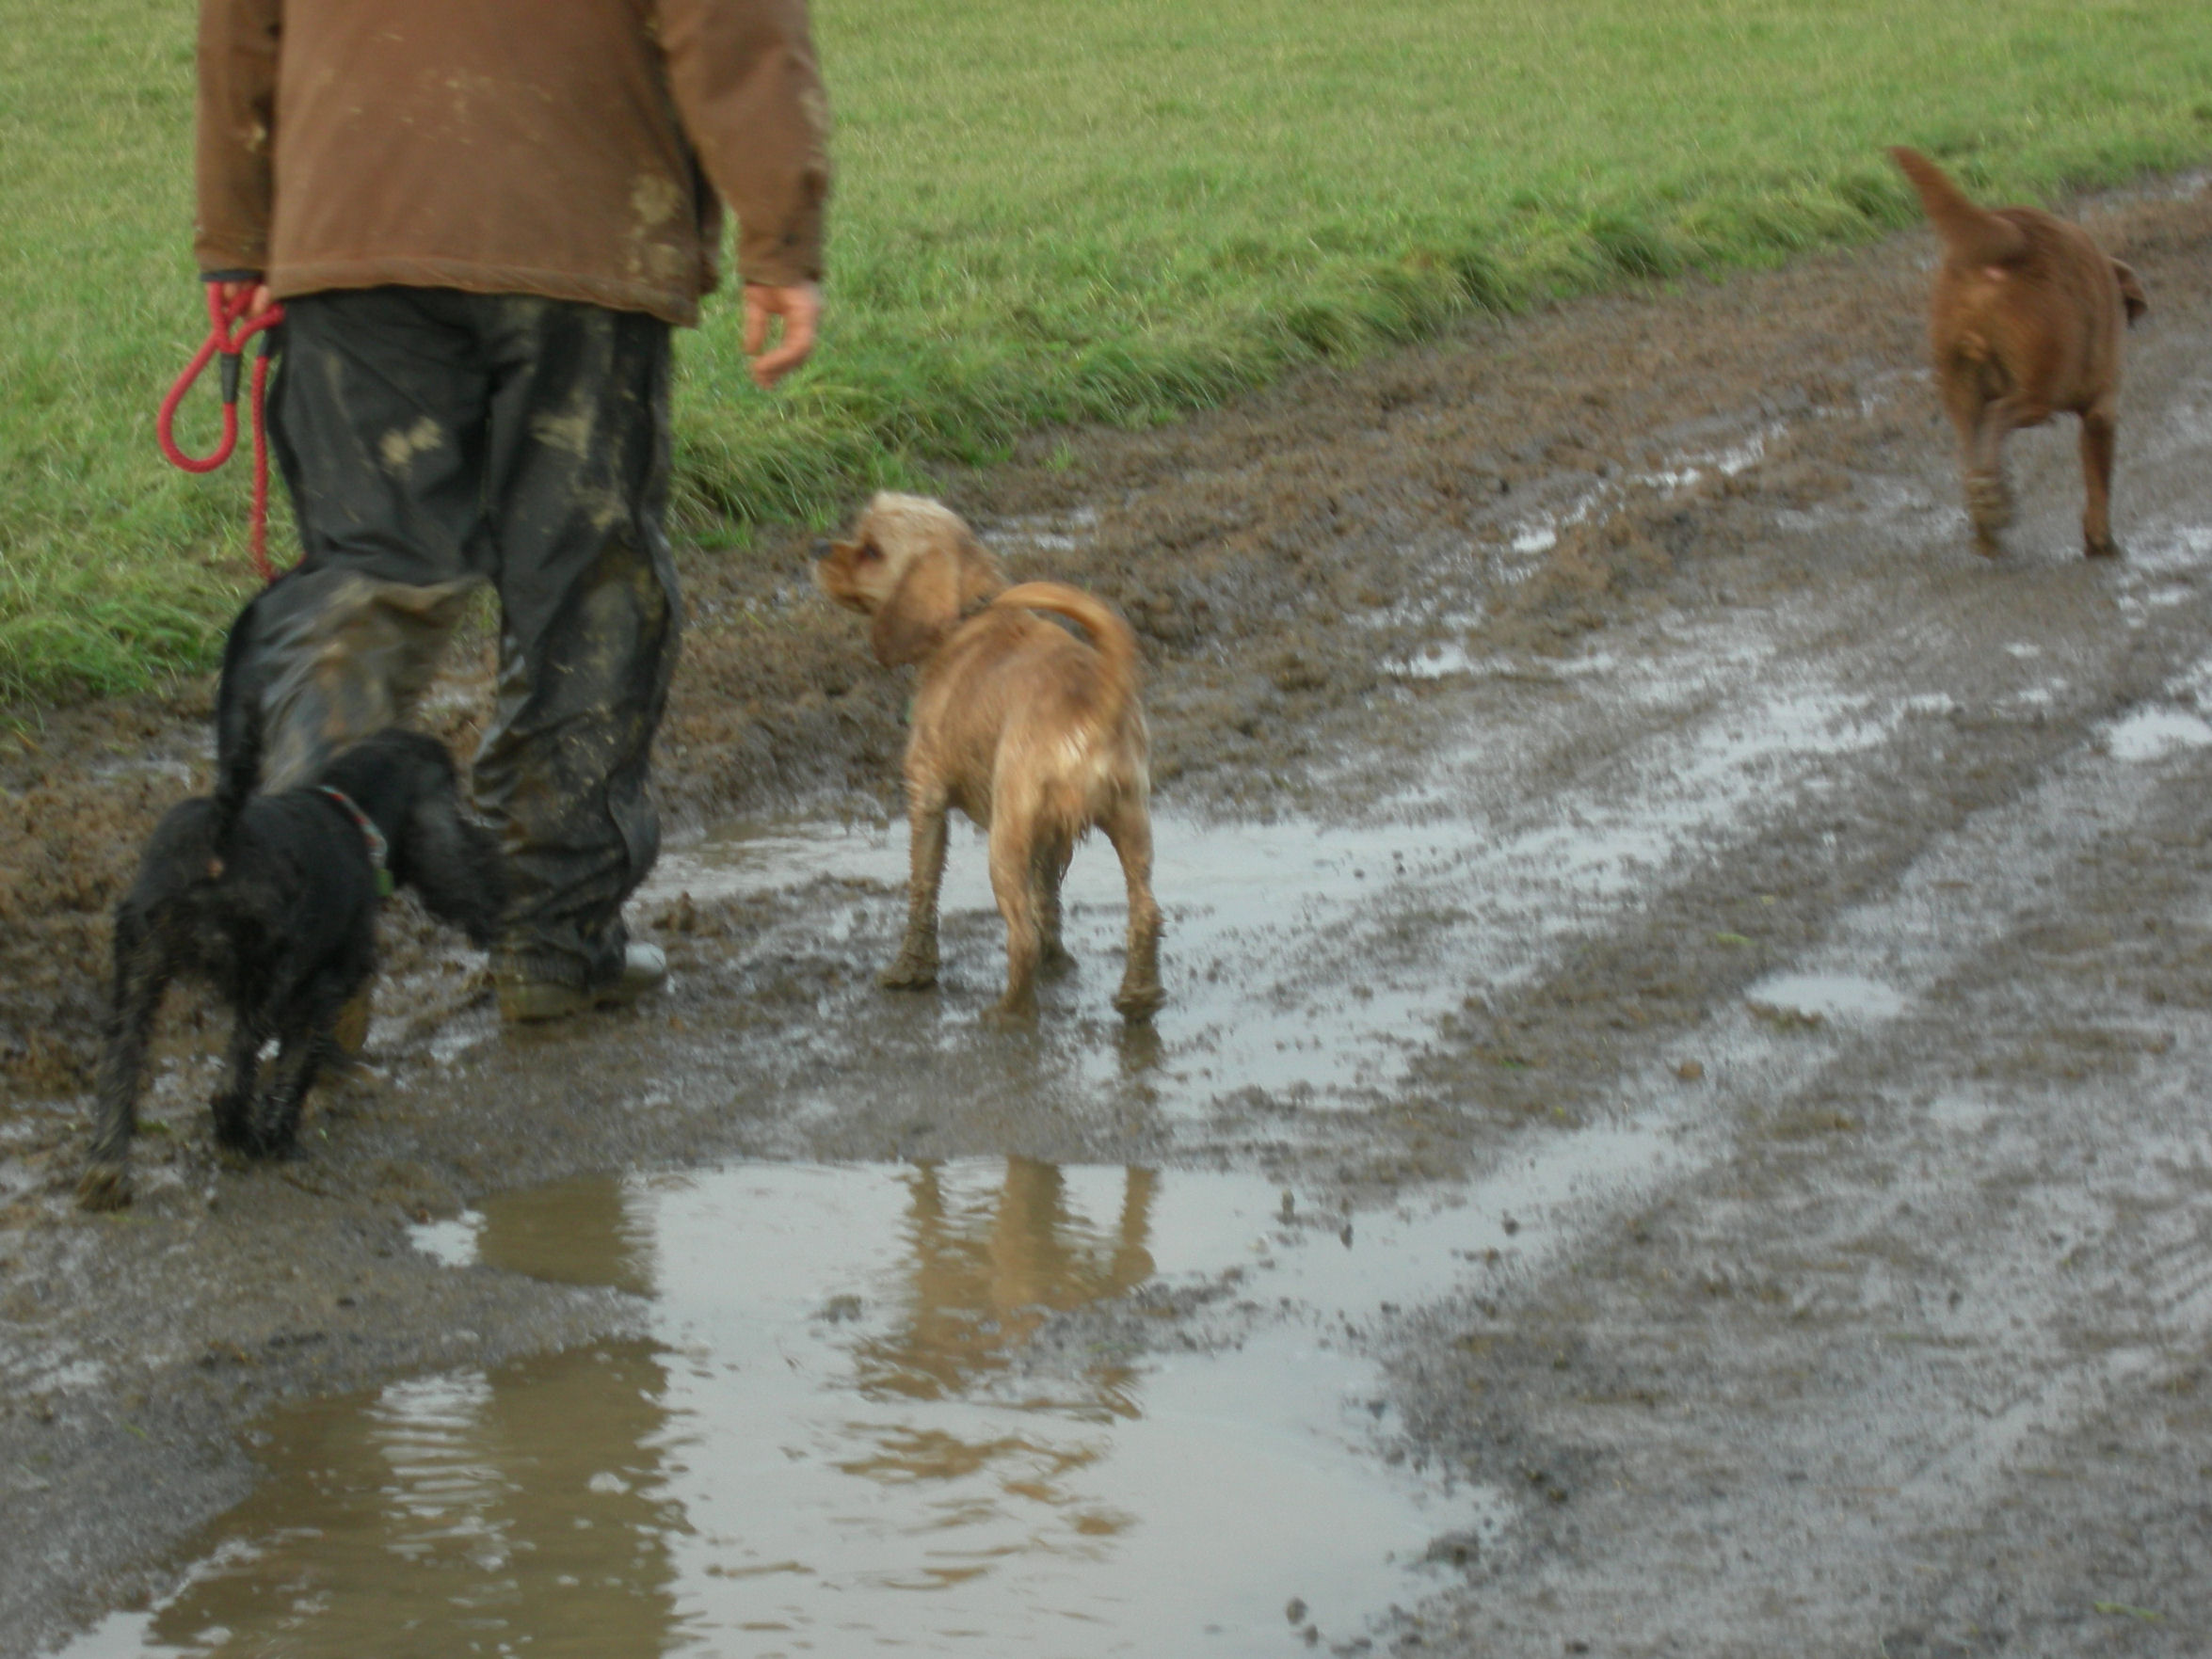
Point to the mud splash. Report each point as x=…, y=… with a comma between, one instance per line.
x=837, y=1437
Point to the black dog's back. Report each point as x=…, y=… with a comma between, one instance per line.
x=234, y=894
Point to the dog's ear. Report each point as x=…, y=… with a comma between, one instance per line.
x=920, y=609
x=453, y=865
x=980, y=575
x=833, y=570
x=2131, y=292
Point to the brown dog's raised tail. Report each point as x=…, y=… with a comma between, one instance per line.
x=1971, y=233
x=1110, y=636
x=2131, y=292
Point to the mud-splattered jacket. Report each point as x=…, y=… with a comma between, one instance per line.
x=573, y=149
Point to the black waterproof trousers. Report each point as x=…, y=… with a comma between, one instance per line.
x=433, y=442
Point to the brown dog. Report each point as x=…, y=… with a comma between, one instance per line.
x=2026, y=323
x=1033, y=734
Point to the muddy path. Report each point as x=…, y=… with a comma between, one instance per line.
x=1680, y=1123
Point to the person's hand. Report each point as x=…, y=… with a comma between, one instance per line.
x=800, y=307
x=229, y=292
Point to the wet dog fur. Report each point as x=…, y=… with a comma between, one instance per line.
x=2025, y=323
x=272, y=900
x=1035, y=734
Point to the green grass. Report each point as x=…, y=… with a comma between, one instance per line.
x=1046, y=213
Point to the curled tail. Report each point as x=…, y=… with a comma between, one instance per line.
x=1971, y=233
x=237, y=726
x=1110, y=636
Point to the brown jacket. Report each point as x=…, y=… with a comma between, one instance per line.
x=572, y=148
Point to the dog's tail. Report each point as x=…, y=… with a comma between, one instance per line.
x=2131, y=292
x=1971, y=233
x=1110, y=636
x=237, y=727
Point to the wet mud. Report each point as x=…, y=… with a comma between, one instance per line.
x=1679, y=1124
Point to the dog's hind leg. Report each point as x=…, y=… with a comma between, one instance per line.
x=1989, y=501
x=1974, y=393
x=1053, y=958
x=141, y=974
x=233, y=1105
x=304, y=1040
x=2096, y=470
x=917, y=963
x=1128, y=826
x=1016, y=870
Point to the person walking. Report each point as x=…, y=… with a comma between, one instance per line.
x=483, y=218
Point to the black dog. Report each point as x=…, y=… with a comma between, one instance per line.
x=272, y=899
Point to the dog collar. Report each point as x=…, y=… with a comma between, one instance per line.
x=372, y=837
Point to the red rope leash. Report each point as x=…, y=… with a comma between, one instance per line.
x=229, y=330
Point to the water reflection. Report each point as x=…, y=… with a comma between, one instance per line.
x=523, y=1510
x=989, y=1270
x=834, y=1444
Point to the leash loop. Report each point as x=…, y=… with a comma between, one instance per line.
x=229, y=326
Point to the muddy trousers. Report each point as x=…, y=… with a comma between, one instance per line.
x=435, y=441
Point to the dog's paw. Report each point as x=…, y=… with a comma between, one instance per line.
x=103, y=1187
x=1008, y=1015
x=910, y=973
x=2107, y=549
x=1140, y=1001
x=233, y=1124
x=274, y=1145
x=1139, y=1048
x=1989, y=504
x=273, y=1134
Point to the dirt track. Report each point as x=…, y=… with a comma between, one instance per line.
x=1738, y=964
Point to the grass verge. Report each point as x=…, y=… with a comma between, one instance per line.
x=1119, y=212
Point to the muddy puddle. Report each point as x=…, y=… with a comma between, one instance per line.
x=1447, y=893
x=837, y=1435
